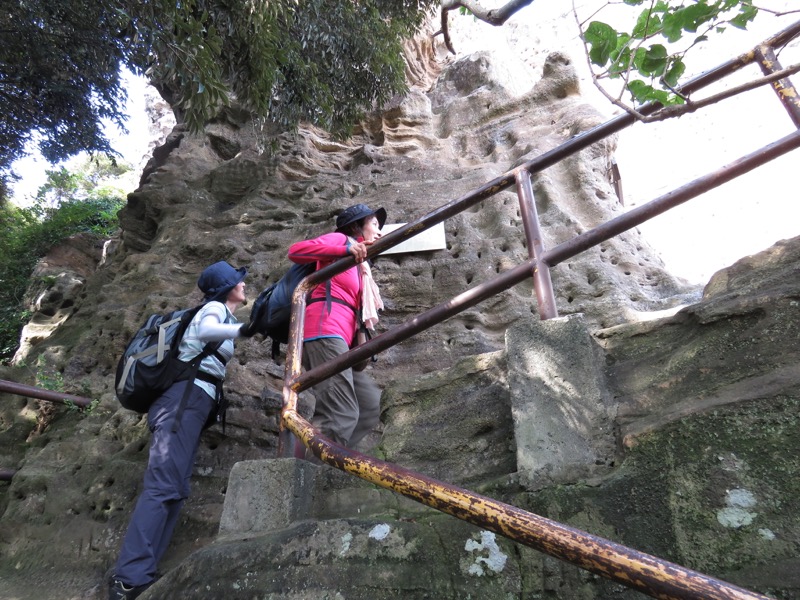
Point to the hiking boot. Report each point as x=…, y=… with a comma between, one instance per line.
x=119, y=591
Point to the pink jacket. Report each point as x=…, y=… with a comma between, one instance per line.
x=346, y=286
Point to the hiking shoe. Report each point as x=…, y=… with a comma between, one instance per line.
x=119, y=591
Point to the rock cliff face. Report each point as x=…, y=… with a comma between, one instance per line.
x=676, y=436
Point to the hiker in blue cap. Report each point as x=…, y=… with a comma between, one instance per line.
x=173, y=448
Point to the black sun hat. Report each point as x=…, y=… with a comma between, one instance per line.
x=357, y=212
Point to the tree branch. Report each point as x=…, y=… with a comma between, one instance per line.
x=615, y=101
x=676, y=110
x=445, y=31
x=691, y=106
x=492, y=16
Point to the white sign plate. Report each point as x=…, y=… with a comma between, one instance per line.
x=424, y=241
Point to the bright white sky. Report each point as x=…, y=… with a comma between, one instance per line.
x=694, y=240
x=742, y=217
x=714, y=230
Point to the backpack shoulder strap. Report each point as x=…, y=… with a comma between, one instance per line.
x=194, y=366
x=211, y=348
x=328, y=296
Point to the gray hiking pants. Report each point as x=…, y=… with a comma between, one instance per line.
x=349, y=403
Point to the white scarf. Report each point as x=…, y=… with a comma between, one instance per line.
x=371, y=301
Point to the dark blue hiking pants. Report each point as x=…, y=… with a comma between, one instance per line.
x=166, y=482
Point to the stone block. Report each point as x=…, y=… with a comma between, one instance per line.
x=561, y=407
x=264, y=495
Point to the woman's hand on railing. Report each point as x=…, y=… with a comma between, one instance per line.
x=359, y=250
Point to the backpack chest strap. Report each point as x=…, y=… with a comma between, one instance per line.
x=330, y=299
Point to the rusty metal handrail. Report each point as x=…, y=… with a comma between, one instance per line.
x=654, y=576
x=542, y=283
x=29, y=391
x=648, y=574
x=297, y=381
x=575, y=144
x=783, y=87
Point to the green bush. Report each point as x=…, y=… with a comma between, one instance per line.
x=29, y=234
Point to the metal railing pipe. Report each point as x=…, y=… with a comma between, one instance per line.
x=784, y=88
x=542, y=282
x=287, y=444
x=29, y=391
x=778, y=40
x=639, y=215
x=409, y=328
x=646, y=573
x=521, y=272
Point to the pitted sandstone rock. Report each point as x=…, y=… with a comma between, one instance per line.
x=219, y=195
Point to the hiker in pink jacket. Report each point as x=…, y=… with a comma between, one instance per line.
x=347, y=404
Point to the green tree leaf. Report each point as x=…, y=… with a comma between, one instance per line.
x=653, y=61
x=665, y=23
x=647, y=25
x=674, y=72
x=602, y=40
x=747, y=14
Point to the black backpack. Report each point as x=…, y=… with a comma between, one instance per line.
x=150, y=363
x=272, y=309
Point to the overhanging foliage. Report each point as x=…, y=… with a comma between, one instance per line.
x=322, y=61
